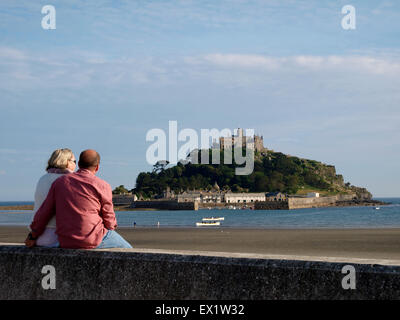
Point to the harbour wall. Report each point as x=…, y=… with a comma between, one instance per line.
x=290, y=203
x=299, y=203
x=224, y=205
x=271, y=205
x=45, y=273
x=122, y=200
x=166, y=205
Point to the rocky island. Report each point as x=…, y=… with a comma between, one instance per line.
x=278, y=181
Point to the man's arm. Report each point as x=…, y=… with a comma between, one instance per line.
x=107, y=208
x=46, y=211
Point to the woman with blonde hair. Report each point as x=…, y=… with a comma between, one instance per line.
x=62, y=161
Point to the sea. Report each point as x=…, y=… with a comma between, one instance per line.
x=385, y=216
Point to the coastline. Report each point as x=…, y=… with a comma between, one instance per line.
x=350, y=203
x=377, y=243
x=359, y=203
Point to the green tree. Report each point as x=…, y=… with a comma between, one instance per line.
x=120, y=190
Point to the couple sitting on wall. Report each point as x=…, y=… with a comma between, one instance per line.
x=74, y=209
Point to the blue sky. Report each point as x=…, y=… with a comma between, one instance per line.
x=113, y=70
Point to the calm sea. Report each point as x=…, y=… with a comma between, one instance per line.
x=15, y=203
x=341, y=217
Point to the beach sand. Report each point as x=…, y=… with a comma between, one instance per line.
x=354, y=243
x=17, y=208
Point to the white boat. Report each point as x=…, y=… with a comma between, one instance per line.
x=377, y=208
x=213, y=219
x=208, y=223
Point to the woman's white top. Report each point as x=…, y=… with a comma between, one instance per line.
x=49, y=237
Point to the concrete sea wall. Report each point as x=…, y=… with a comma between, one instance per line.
x=42, y=273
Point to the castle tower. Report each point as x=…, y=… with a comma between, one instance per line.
x=242, y=140
x=259, y=143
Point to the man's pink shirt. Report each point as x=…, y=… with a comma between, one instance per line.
x=82, y=204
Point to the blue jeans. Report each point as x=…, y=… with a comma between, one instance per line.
x=55, y=245
x=113, y=240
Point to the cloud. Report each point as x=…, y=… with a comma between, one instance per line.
x=367, y=64
x=243, y=61
x=374, y=75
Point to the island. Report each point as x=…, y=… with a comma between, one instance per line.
x=278, y=181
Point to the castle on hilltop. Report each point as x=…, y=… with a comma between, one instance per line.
x=242, y=141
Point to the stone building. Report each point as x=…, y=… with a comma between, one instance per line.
x=212, y=197
x=276, y=196
x=201, y=196
x=242, y=141
x=244, y=197
x=168, y=194
x=189, y=196
x=313, y=195
x=220, y=197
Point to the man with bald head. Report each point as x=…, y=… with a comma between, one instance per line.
x=89, y=159
x=82, y=204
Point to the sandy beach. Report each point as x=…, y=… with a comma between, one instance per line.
x=354, y=243
x=17, y=208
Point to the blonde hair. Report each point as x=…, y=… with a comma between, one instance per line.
x=59, y=159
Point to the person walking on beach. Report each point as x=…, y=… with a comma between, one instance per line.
x=82, y=205
x=62, y=161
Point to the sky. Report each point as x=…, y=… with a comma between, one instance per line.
x=111, y=71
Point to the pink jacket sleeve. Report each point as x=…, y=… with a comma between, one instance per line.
x=46, y=211
x=107, y=209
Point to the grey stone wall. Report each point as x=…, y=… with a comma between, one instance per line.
x=124, y=274
x=166, y=205
x=271, y=205
x=122, y=200
x=299, y=203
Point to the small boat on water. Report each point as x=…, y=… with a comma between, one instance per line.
x=208, y=223
x=213, y=219
x=377, y=208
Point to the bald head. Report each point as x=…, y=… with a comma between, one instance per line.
x=89, y=159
